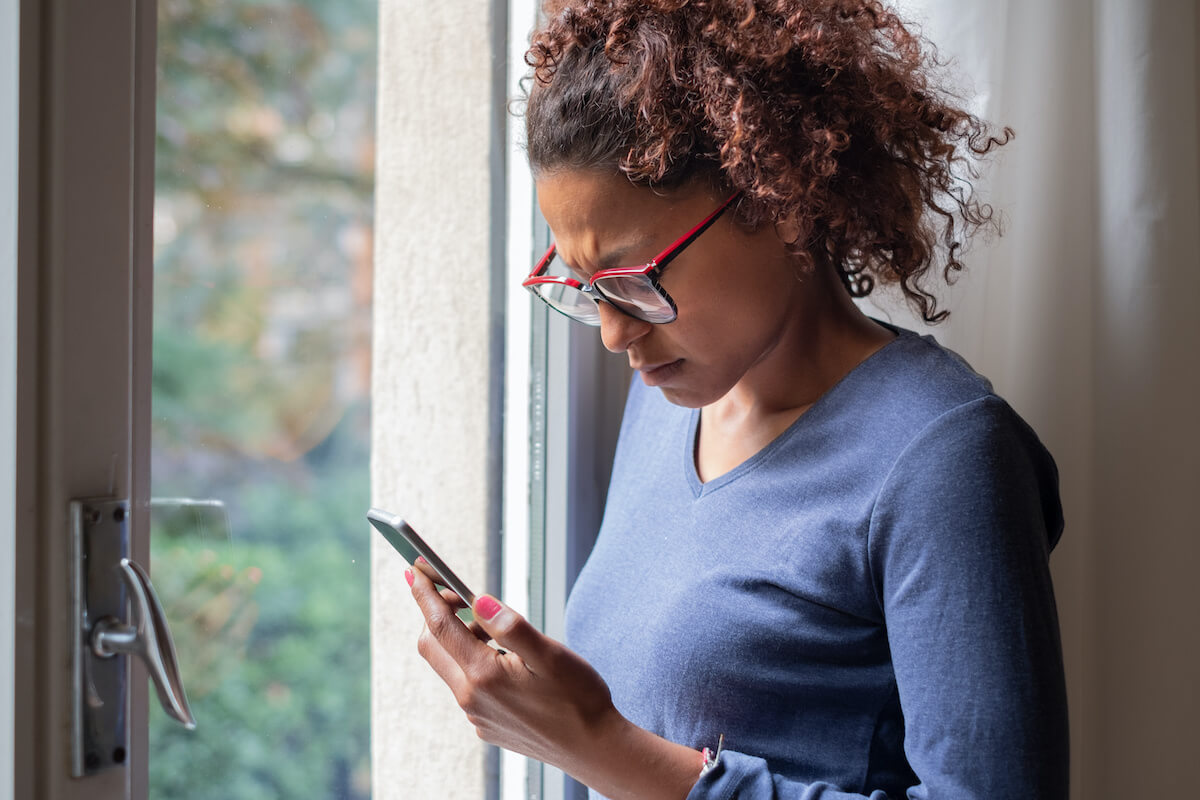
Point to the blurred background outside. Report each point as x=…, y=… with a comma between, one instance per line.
x=263, y=273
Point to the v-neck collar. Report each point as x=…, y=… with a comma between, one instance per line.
x=815, y=411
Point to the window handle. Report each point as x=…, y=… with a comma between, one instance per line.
x=148, y=638
x=107, y=588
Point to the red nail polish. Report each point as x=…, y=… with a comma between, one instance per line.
x=487, y=606
x=421, y=560
x=408, y=576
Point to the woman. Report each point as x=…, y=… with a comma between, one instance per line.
x=826, y=539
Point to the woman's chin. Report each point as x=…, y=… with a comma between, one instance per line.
x=680, y=393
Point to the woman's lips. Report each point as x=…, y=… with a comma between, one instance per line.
x=656, y=374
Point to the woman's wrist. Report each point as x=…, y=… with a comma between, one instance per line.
x=624, y=761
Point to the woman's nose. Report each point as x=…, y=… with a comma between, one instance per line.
x=618, y=330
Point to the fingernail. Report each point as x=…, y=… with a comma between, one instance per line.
x=487, y=606
x=421, y=560
x=408, y=576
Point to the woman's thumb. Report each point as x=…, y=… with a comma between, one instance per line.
x=510, y=630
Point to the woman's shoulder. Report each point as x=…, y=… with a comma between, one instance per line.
x=916, y=372
x=904, y=387
x=915, y=392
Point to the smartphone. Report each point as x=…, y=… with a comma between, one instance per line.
x=401, y=536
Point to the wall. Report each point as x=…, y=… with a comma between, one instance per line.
x=437, y=361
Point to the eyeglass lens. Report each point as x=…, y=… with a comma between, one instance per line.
x=576, y=304
x=636, y=296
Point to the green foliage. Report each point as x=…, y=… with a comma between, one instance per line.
x=252, y=92
x=274, y=652
x=261, y=349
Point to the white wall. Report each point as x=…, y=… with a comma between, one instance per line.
x=1084, y=316
x=436, y=375
x=8, y=370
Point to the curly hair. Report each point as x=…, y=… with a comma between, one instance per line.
x=822, y=113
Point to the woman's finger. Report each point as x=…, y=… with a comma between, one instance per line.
x=478, y=632
x=451, y=597
x=424, y=566
x=513, y=632
x=451, y=633
x=446, y=667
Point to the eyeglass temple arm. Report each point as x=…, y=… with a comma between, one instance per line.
x=544, y=262
x=664, y=258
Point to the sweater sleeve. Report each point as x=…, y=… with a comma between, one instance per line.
x=959, y=552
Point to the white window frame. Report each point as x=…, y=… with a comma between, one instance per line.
x=9, y=94
x=83, y=270
x=564, y=398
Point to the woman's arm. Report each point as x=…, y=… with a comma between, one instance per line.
x=542, y=700
x=959, y=545
x=960, y=548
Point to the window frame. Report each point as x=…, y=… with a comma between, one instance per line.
x=9, y=160
x=83, y=271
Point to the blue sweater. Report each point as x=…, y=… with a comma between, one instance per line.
x=863, y=608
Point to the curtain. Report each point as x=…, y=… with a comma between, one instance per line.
x=1086, y=316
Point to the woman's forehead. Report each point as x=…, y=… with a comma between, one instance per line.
x=575, y=200
x=601, y=220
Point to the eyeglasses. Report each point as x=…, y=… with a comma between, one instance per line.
x=632, y=290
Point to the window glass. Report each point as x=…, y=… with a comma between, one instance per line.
x=263, y=262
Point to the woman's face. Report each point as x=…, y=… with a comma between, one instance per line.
x=738, y=293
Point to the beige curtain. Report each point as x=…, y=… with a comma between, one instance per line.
x=1086, y=315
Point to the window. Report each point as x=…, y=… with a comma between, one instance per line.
x=86, y=189
x=260, y=421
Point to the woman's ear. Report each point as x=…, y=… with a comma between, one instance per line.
x=788, y=230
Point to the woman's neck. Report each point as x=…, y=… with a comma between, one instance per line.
x=822, y=342
x=826, y=338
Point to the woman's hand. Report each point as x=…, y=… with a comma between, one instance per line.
x=538, y=699
x=542, y=700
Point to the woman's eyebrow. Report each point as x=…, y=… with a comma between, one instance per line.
x=619, y=256
x=614, y=258
x=629, y=253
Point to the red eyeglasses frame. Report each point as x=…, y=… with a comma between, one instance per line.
x=652, y=269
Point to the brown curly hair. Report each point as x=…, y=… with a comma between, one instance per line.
x=822, y=113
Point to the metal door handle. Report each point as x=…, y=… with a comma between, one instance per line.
x=148, y=638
